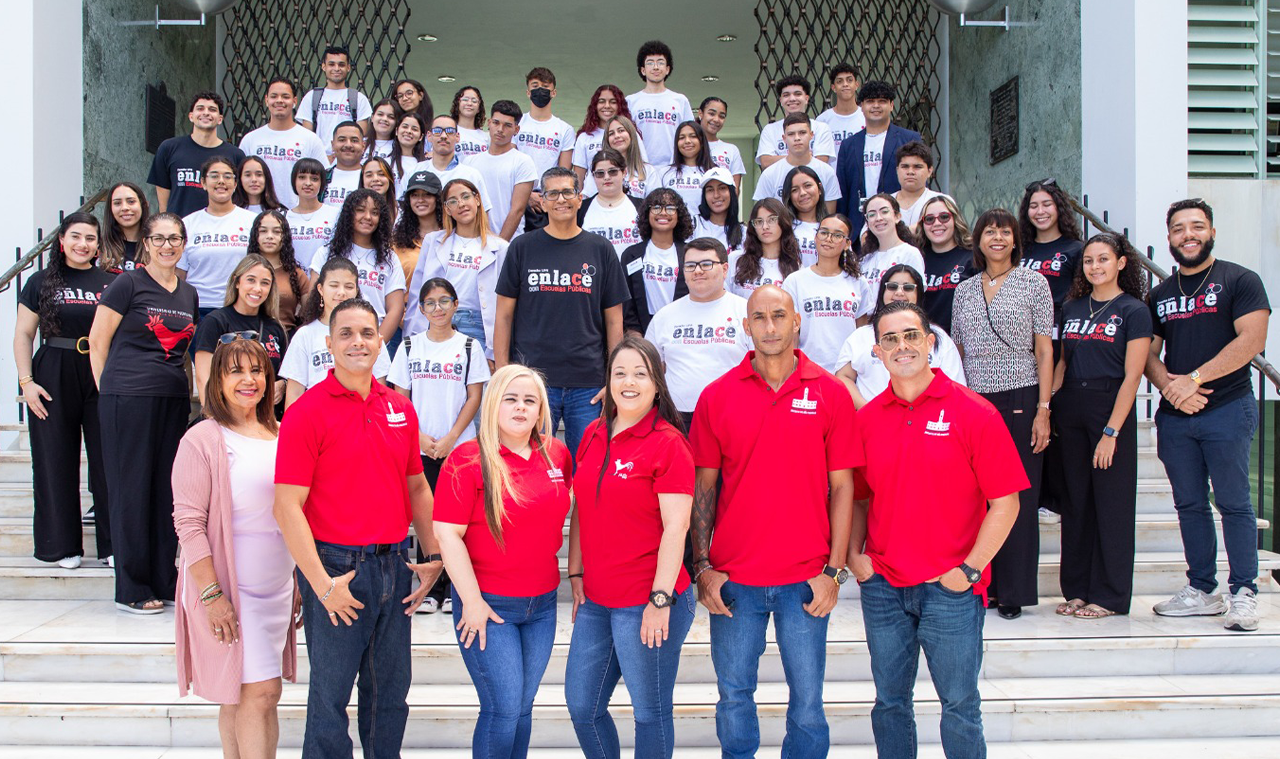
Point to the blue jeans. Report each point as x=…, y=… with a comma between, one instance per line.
x=948, y=626
x=606, y=645
x=509, y=670
x=1213, y=445
x=469, y=322
x=737, y=644
x=375, y=648
x=573, y=405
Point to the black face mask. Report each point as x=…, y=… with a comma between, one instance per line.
x=540, y=97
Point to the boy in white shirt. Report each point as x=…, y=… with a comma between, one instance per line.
x=798, y=135
x=544, y=137
x=656, y=110
x=336, y=99
x=793, y=93
x=282, y=142
x=915, y=167
x=508, y=172
x=845, y=118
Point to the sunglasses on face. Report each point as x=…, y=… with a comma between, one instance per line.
x=906, y=287
x=912, y=337
x=602, y=173
x=937, y=218
x=443, y=130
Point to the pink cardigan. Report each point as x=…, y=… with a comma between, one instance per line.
x=202, y=513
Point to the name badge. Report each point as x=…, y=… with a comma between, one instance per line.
x=635, y=266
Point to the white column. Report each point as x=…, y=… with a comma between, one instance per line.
x=45, y=96
x=1134, y=113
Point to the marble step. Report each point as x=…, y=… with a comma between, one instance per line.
x=16, y=499
x=442, y=716
x=15, y=467
x=1021, y=749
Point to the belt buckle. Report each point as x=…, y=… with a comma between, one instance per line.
x=82, y=351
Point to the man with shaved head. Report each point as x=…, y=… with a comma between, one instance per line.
x=780, y=430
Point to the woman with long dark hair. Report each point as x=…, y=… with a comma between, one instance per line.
x=1003, y=323
x=363, y=236
x=255, y=190
x=412, y=97
x=376, y=175
x=408, y=150
x=137, y=348
x=621, y=135
x=311, y=222
x=712, y=114
x=127, y=209
x=829, y=294
x=59, y=391
x=886, y=241
x=499, y=540
x=251, y=313
x=806, y=199
x=421, y=214
x=865, y=374
x=947, y=247
x=468, y=111
x=271, y=239
x=218, y=235
x=611, y=212
x=237, y=598
x=664, y=225
x=1051, y=236
x=718, y=212
x=769, y=254
x=632, y=601
x=1106, y=338
x=605, y=103
x=690, y=160
x=380, y=135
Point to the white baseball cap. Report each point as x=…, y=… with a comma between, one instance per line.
x=718, y=174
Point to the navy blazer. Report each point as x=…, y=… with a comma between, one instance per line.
x=850, y=172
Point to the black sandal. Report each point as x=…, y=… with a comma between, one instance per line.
x=141, y=607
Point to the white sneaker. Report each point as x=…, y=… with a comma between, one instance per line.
x=70, y=562
x=429, y=606
x=1243, y=616
x=446, y=606
x=1190, y=602
x=110, y=561
x=1048, y=517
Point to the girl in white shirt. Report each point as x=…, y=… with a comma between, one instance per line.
x=380, y=135
x=806, y=198
x=717, y=214
x=606, y=103
x=376, y=175
x=691, y=159
x=886, y=241
x=622, y=137
x=407, y=152
x=861, y=371
x=828, y=295
x=769, y=253
x=254, y=188
x=468, y=111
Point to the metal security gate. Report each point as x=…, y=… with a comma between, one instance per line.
x=892, y=40
x=269, y=38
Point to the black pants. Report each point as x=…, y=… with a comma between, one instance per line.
x=1099, y=510
x=431, y=468
x=142, y=434
x=55, y=456
x=1015, y=570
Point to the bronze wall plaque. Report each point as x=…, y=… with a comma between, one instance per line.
x=1004, y=121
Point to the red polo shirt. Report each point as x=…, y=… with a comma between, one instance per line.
x=774, y=451
x=932, y=465
x=355, y=455
x=620, y=529
x=526, y=564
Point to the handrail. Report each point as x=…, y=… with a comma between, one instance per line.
x=30, y=256
x=1261, y=364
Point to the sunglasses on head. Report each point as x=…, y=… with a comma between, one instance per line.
x=1047, y=182
x=231, y=337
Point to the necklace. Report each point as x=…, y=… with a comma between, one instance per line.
x=992, y=280
x=1094, y=314
x=1206, y=279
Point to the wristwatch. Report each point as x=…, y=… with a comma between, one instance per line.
x=1111, y=432
x=972, y=575
x=433, y=557
x=660, y=599
x=1194, y=376
x=840, y=575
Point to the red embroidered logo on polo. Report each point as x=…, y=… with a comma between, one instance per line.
x=395, y=418
x=938, y=428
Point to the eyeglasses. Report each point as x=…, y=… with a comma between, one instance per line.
x=655, y=63
x=707, y=265
x=224, y=175
x=443, y=304
x=602, y=173
x=906, y=287
x=831, y=234
x=465, y=197
x=1046, y=182
x=885, y=212
x=554, y=195
x=665, y=209
x=172, y=241
x=469, y=99
x=912, y=337
x=444, y=130
x=938, y=218
x=231, y=337
x=767, y=221
x=406, y=94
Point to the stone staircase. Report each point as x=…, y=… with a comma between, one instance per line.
x=78, y=679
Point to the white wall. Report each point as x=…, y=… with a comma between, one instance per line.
x=45, y=96
x=1134, y=114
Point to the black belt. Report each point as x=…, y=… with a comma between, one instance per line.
x=373, y=548
x=79, y=345
x=1103, y=384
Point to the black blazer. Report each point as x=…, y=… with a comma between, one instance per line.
x=850, y=172
x=635, y=312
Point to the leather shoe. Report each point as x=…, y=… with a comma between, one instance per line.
x=1009, y=612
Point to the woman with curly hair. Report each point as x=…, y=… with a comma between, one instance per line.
x=1051, y=237
x=272, y=239
x=1106, y=337
x=829, y=294
x=607, y=102
x=122, y=228
x=770, y=252
x=468, y=111
x=664, y=225
x=947, y=247
x=58, y=389
x=363, y=236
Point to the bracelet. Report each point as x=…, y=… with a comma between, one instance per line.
x=333, y=583
x=576, y=574
x=210, y=588
x=698, y=574
x=24, y=381
x=206, y=600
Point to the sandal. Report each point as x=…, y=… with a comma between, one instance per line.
x=1070, y=608
x=150, y=606
x=1093, y=611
